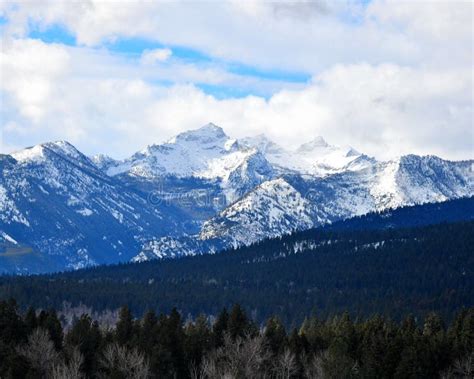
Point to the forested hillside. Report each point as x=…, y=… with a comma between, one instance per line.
x=392, y=272
x=409, y=216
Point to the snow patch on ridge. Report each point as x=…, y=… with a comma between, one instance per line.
x=273, y=208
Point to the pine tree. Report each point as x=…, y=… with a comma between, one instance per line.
x=31, y=321
x=147, y=332
x=52, y=324
x=12, y=333
x=198, y=340
x=239, y=324
x=275, y=335
x=87, y=337
x=220, y=327
x=124, y=327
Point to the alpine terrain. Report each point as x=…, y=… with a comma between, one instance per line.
x=200, y=192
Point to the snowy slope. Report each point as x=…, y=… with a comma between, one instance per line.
x=270, y=208
x=206, y=152
x=316, y=158
x=198, y=193
x=55, y=199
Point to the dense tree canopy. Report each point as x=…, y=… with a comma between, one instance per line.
x=391, y=272
x=164, y=346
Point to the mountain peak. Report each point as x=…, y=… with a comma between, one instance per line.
x=211, y=126
x=317, y=143
x=262, y=143
x=37, y=152
x=205, y=134
x=103, y=161
x=351, y=152
x=63, y=147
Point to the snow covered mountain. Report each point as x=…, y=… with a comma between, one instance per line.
x=340, y=184
x=272, y=209
x=199, y=192
x=316, y=158
x=206, y=153
x=408, y=180
x=60, y=207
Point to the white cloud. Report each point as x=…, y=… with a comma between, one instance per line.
x=380, y=109
x=434, y=19
x=29, y=81
x=390, y=78
x=150, y=57
x=312, y=35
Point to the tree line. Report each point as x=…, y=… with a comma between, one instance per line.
x=389, y=272
x=35, y=344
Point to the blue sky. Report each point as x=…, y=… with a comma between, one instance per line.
x=384, y=76
x=133, y=48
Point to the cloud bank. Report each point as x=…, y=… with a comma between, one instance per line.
x=388, y=78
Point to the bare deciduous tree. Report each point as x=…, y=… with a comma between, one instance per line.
x=462, y=368
x=71, y=370
x=313, y=366
x=129, y=362
x=195, y=371
x=285, y=365
x=40, y=352
x=239, y=358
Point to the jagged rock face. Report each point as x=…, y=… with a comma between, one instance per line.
x=199, y=192
x=254, y=170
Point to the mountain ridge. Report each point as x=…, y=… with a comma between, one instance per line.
x=201, y=191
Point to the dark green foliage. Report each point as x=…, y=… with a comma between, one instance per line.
x=13, y=332
x=124, y=327
x=146, y=336
x=390, y=272
x=239, y=325
x=198, y=340
x=275, y=335
x=168, y=348
x=49, y=321
x=87, y=337
x=168, y=356
x=220, y=327
x=31, y=321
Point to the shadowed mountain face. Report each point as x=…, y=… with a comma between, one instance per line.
x=199, y=192
x=64, y=209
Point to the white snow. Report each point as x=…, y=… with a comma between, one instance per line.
x=188, y=154
x=117, y=215
x=9, y=238
x=316, y=157
x=33, y=153
x=8, y=210
x=209, y=153
x=38, y=152
x=85, y=212
x=222, y=166
x=264, y=212
x=248, y=172
x=42, y=189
